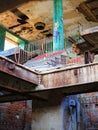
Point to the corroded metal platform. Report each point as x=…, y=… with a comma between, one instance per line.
x=17, y=82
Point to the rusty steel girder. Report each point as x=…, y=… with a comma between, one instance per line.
x=26, y=83
x=16, y=77
x=18, y=71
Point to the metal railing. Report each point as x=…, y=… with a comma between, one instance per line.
x=21, y=56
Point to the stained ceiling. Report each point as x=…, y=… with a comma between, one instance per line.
x=22, y=17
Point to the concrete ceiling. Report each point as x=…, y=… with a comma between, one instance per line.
x=22, y=15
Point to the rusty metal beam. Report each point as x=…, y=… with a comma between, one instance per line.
x=22, y=82
x=45, y=94
x=18, y=71
x=19, y=97
x=76, y=75
x=11, y=83
x=80, y=88
x=68, y=89
x=12, y=97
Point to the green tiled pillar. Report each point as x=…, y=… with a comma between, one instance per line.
x=58, y=27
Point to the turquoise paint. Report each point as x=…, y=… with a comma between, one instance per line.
x=21, y=43
x=58, y=27
x=2, y=38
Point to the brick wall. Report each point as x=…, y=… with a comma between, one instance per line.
x=17, y=116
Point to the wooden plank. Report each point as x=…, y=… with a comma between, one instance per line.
x=93, y=4
x=83, y=8
x=6, y=5
x=91, y=39
x=95, y=11
x=84, y=46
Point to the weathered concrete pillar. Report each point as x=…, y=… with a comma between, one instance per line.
x=46, y=118
x=56, y=114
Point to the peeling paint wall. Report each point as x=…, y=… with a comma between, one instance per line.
x=46, y=118
x=63, y=116
x=89, y=111
x=51, y=115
